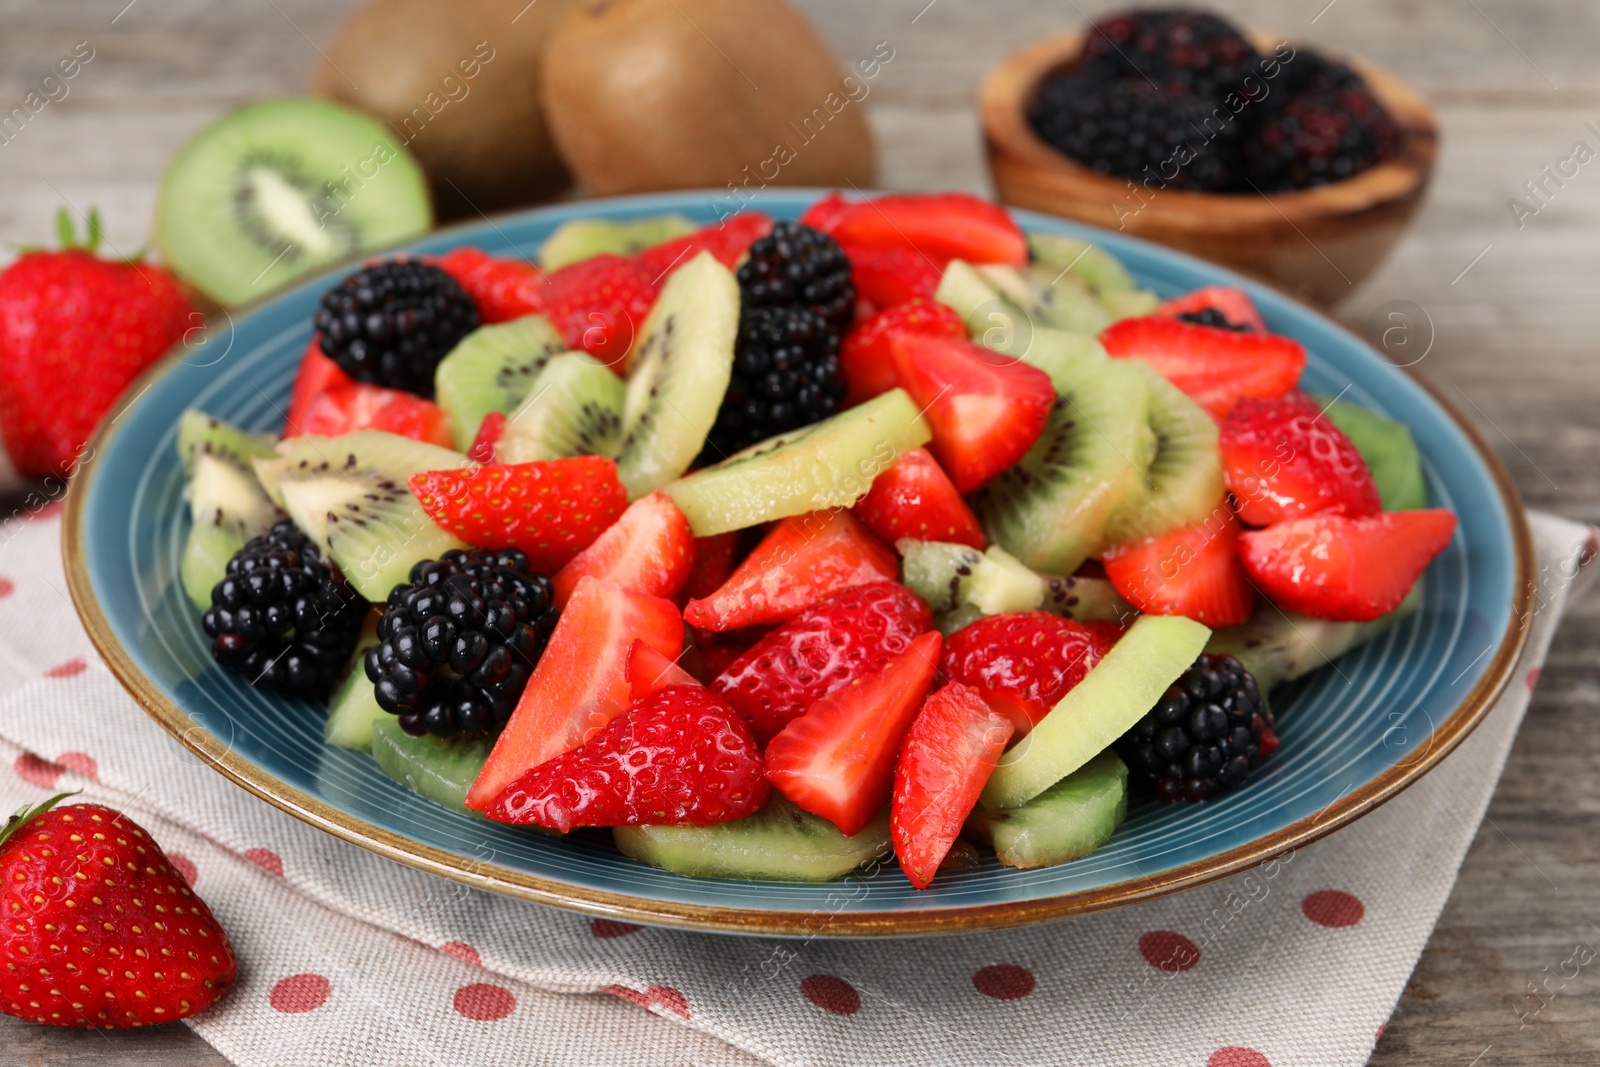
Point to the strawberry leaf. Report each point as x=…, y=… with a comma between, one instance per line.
x=27, y=813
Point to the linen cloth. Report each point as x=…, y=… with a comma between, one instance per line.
x=348, y=958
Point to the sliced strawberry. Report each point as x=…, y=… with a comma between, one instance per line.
x=359, y=406
x=650, y=549
x=714, y=560
x=840, y=638
x=1193, y=571
x=317, y=375
x=680, y=756
x=1022, y=663
x=824, y=213
x=580, y=682
x=1285, y=460
x=941, y=226
x=914, y=498
x=599, y=304
x=552, y=509
x=727, y=240
x=650, y=672
x=504, y=289
x=986, y=409
x=1216, y=367
x=948, y=755
x=1232, y=303
x=804, y=558
x=1336, y=567
x=837, y=760
x=865, y=357
x=490, y=430
x=888, y=277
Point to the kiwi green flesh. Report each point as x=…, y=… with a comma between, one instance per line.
x=993, y=320
x=950, y=576
x=1278, y=646
x=779, y=843
x=678, y=371
x=579, y=239
x=1070, y=819
x=492, y=369
x=1132, y=304
x=1102, y=271
x=349, y=494
x=354, y=707
x=829, y=464
x=1051, y=508
x=1085, y=598
x=1054, y=298
x=1184, y=482
x=1390, y=453
x=440, y=769
x=227, y=505
x=277, y=190
x=574, y=409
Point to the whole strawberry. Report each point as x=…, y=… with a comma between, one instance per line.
x=98, y=929
x=75, y=329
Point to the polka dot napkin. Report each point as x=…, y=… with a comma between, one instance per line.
x=347, y=958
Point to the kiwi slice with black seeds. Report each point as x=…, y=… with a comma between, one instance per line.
x=573, y=409
x=226, y=502
x=493, y=369
x=277, y=190
x=1184, y=482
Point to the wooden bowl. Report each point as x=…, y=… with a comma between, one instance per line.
x=1316, y=243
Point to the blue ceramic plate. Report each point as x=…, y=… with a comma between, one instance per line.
x=1352, y=737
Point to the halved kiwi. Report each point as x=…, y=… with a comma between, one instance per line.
x=492, y=369
x=226, y=503
x=573, y=409
x=273, y=191
x=1184, y=482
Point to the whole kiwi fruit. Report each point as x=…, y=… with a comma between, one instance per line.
x=675, y=94
x=458, y=83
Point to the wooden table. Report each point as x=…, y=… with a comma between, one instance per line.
x=1516, y=344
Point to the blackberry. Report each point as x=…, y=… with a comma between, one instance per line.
x=785, y=376
x=796, y=266
x=1181, y=51
x=281, y=617
x=391, y=323
x=1320, y=136
x=1204, y=736
x=1213, y=317
x=1134, y=130
x=457, y=645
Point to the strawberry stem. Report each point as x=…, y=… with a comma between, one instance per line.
x=27, y=813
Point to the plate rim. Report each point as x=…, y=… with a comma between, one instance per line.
x=1463, y=719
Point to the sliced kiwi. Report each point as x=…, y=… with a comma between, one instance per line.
x=573, y=409
x=1390, y=453
x=1070, y=819
x=1184, y=482
x=1132, y=304
x=1055, y=298
x=349, y=494
x=1083, y=597
x=1051, y=508
x=493, y=369
x=829, y=464
x=678, y=370
x=1103, y=272
x=779, y=843
x=579, y=239
x=950, y=576
x=440, y=769
x=354, y=708
x=226, y=503
x=276, y=190
x=1277, y=646
x=992, y=319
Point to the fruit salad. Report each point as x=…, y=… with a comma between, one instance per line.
x=775, y=547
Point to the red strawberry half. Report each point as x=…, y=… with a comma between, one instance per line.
x=504, y=289
x=727, y=240
x=948, y=755
x=1215, y=367
x=650, y=549
x=1336, y=567
x=914, y=498
x=599, y=304
x=1022, y=663
x=803, y=559
x=1231, y=303
x=941, y=226
x=1193, y=571
x=1285, y=460
x=843, y=637
x=837, y=760
x=865, y=357
x=986, y=409
x=551, y=509
x=889, y=277
x=679, y=756
x=650, y=672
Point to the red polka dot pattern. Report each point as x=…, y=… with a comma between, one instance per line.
x=300, y=993
x=1532, y=678
x=655, y=996
x=1168, y=950
x=7, y=587
x=184, y=866
x=1004, y=981
x=1234, y=1056
x=266, y=859
x=605, y=928
x=75, y=665
x=31, y=768
x=831, y=994
x=1332, y=907
x=80, y=763
x=485, y=1002
x=462, y=951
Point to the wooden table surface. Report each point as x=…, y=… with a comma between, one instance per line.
x=1516, y=342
